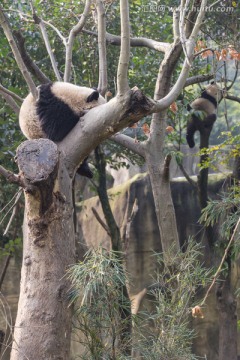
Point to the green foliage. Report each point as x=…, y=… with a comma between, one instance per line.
x=99, y=301
x=224, y=153
x=96, y=293
x=176, y=285
x=225, y=212
x=11, y=247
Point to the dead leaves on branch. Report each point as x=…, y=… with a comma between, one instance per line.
x=225, y=54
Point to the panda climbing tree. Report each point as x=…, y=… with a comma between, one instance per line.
x=203, y=114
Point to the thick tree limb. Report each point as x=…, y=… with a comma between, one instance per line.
x=103, y=80
x=108, y=119
x=30, y=64
x=198, y=79
x=129, y=143
x=134, y=42
x=73, y=33
x=8, y=33
x=122, y=73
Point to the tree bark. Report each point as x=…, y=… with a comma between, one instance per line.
x=43, y=324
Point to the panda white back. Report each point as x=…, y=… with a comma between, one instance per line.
x=57, y=110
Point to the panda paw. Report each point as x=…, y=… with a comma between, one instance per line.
x=84, y=170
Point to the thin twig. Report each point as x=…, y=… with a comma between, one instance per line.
x=30, y=64
x=10, y=101
x=13, y=213
x=12, y=94
x=17, y=198
x=188, y=178
x=49, y=50
x=101, y=222
x=4, y=270
x=221, y=263
x=73, y=33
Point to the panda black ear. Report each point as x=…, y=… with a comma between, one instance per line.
x=93, y=96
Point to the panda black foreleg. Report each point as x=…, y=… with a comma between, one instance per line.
x=191, y=129
x=84, y=169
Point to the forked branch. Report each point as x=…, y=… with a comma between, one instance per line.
x=73, y=33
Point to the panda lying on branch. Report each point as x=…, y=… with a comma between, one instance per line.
x=56, y=111
x=203, y=113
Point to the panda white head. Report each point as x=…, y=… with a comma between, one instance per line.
x=57, y=110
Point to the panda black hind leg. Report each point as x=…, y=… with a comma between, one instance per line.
x=84, y=169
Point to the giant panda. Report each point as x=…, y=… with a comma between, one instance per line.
x=56, y=111
x=203, y=112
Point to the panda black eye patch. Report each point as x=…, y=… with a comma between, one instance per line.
x=93, y=96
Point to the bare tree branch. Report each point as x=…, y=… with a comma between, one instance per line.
x=202, y=51
x=12, y=94
x=101, y=222
x=188, y=178
x=8, y=33
x=38, y=21
x=2, y=276
x=103, y=80
x=190, y=44
x=56, y=30
x=233, y=98
x=9, y=100
x=134, y=42
x=234, y=236
x=13, y=213
x=11, y=177
x=129, y=143
x=122, y=73
x=73, y=33
x=184, y=5
x=198, y=79
x=176, y=32
x=30, y=64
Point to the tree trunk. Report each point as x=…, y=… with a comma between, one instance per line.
x=43, y=324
